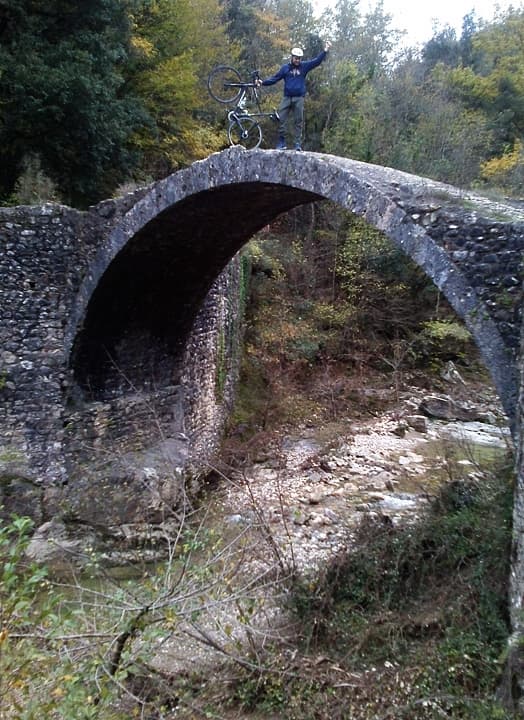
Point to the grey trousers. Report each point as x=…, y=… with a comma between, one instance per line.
x=294, y=105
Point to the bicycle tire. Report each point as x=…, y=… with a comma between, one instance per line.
x=246, y=132
x=216, y=84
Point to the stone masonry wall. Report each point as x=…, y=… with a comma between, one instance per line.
x=45, y=445
x=491, y=257
x=37, y=265
x=512, y=685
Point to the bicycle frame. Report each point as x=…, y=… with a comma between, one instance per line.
x=241, y=107
x=249, y=91
x=225, y=86
x=244, y=127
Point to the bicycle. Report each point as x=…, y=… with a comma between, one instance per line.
x=226, y=86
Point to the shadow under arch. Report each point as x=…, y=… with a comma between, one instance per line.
x=161, y=258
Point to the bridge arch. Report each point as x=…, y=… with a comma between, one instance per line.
x=168, y=249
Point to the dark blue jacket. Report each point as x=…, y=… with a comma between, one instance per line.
x=295, y=76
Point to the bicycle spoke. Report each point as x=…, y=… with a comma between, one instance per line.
x=246, y=132
x=218, y=84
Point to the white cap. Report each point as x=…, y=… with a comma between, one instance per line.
x=297, y=52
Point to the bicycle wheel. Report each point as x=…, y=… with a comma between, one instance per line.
x=246, y=132
x=217, y=84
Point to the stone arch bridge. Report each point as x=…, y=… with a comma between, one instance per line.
x=119, y=326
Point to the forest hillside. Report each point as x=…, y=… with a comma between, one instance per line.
x=96, y=97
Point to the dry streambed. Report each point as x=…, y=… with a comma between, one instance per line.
x=302, y=502
x=312, y=496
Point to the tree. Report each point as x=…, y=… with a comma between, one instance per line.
x=361, y=64
x=495, y=84
x=175, y=44
x=443, y=47
x=62, y=95
x=266, y=30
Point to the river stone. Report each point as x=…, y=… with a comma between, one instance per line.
x=315, y=498
x=314, y=477
x=54, y=545
x=417, y=422
x=444, y=408
x=409, y=458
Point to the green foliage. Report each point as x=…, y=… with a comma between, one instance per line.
x=383, y=293
x=460, y=533
x=360, y=63
x=442, y=340
x=33, y=186
x=103, y=93
x=279, y=692
x=39, y=675
x=441, y=330
x=266, y=31
x=18, y=589
x=506, y=171
x=443, y=47
x=429, y=598
x=291, y=336
x=497, y=84
x=490, y=89
x=363, y=251
x=394, y=116
x=334, y=299
x=62, y=96
x=83, y=649
x=174, y=45
x=253, y=395
x=410, y=624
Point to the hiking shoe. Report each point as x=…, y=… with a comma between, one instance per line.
x=298, y=146
x=281, y=145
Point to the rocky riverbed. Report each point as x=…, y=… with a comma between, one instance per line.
x=312, y=488
x=308, y=487
x=286, y=511
x=301, y=499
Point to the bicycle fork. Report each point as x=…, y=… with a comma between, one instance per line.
x=238, y=120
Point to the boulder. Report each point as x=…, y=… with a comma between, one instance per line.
x=443, y=407
x=54, y=545
x=417, y=422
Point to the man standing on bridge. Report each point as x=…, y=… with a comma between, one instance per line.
x=294, y=75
